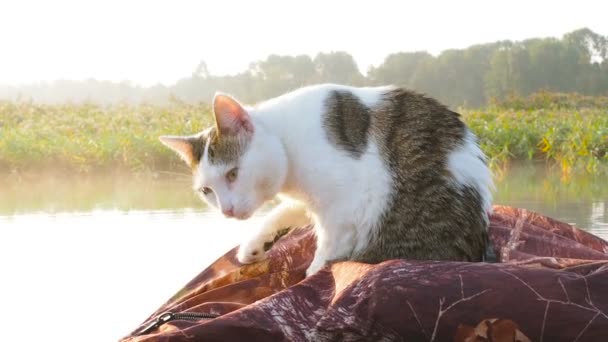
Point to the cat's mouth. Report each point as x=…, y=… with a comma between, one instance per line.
x=242, y=216
x=238, y=215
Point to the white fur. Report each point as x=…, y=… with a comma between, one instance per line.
x=346, y=196
x=468, y=169
x=287, y=214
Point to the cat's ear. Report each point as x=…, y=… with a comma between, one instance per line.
x=230, y=116
x=181, y=145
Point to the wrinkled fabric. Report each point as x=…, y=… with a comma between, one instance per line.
x=550, y=284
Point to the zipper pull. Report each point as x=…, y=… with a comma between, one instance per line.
x=169, y=316
x=154, y=324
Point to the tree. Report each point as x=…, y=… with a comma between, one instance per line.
x=337, y=67
x=578, y=62
x=399, y=68
x=507, y=70
x=278, y=74
x=201, y=70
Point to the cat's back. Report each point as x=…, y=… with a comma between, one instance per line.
x=312, y=116
x=312, y=100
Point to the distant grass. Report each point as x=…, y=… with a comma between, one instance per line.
x=552, y=100
x=573, y=140
x=87, y=138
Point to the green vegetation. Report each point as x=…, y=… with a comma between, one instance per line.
x=574, y=141
x=89, y=137
x=552, y=100
x=569, y=131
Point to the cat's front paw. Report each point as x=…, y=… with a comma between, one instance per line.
x=252, y=251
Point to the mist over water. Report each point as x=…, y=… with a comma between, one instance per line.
x=578, y=200
x=106, y=251
x=95, y=276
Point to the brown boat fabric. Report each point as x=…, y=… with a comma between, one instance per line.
x=550, y=283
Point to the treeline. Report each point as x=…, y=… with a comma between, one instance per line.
x=470, y=77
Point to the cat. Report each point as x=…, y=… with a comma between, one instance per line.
x=382, y=172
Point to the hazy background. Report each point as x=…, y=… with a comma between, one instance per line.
x=112, y=51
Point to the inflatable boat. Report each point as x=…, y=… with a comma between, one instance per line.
x=550, y=283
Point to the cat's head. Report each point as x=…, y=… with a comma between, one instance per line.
x=236, y=164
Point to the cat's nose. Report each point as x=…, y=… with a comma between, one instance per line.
x=229, y=212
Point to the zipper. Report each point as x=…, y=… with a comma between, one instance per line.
x=170, y=316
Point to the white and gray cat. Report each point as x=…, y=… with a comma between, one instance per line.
x=382, y=172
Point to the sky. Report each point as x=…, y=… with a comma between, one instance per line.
x=150, y=42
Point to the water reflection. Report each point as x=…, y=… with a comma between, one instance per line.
x=580, y=200
x=599, y=214
x=106, y=251
x=62, y=193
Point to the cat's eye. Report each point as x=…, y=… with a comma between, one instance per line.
x=232, y=174
x=205, y=190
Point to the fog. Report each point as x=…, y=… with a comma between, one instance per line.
x=146, y=51
x=472, y=76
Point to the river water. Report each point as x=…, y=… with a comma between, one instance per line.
x=87, y=259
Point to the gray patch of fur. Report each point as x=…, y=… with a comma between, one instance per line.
x=429, y=216
x=225, y=150
x=347, y=122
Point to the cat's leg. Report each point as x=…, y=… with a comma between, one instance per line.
x=321, y=253
x=333, y=244
x=286, y=215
